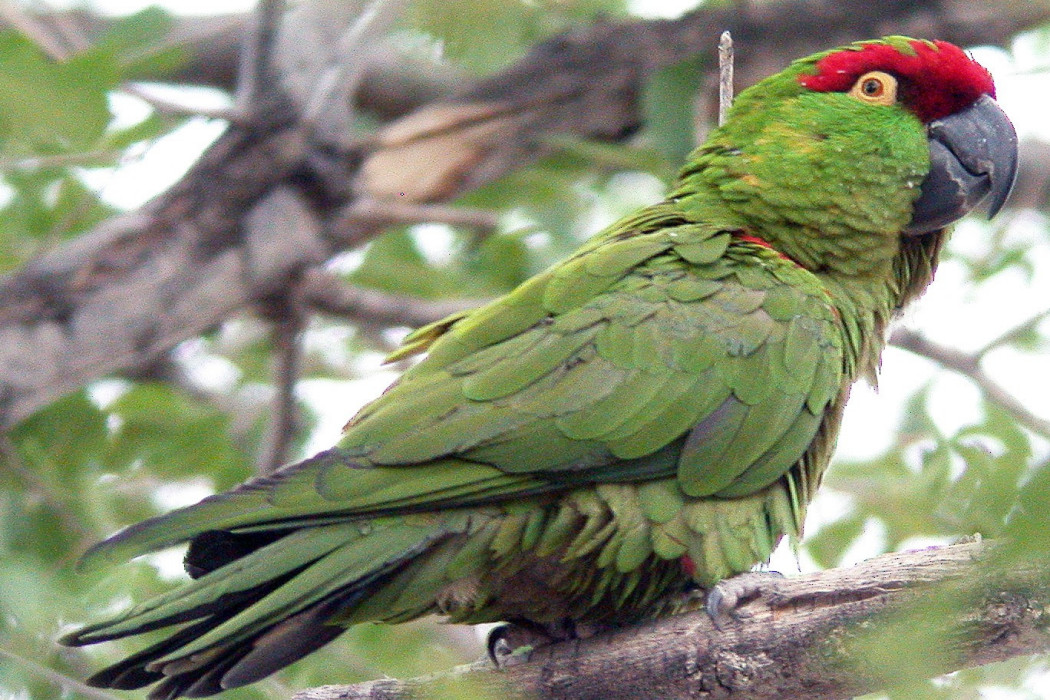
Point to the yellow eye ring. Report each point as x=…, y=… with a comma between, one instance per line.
x=875, y=87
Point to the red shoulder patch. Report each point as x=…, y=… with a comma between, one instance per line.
x=749, y=238
x=938, y=80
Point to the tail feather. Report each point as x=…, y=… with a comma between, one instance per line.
x=197, y=686
x=353, y=566
x=244, y=626
x=200, y=682
x=132, y=673
x=216, y=548
x=227, y=667
x=249, y=578
x=284, y=643
x=326, y=489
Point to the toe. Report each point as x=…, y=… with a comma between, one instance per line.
x=726, y=598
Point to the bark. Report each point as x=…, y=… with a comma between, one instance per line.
x=816, y=636
x=267, y=201
x=393, y=84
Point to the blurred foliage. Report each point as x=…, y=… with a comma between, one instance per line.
x=125, y=449
x=465, y=32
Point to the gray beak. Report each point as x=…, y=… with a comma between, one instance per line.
x=973, y=157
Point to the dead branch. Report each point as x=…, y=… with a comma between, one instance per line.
x=287, y=319
x=347, y=223
x=804, y=640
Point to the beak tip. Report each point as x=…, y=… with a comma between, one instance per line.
x=973, y=161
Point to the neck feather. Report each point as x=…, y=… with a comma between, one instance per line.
x=868, y=303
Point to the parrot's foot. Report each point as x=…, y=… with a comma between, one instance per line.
x=512, y=643
x=726, y=598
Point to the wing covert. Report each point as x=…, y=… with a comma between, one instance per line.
x=729, y=364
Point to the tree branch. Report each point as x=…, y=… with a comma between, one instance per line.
x=256, y=76
x=346, y=224
x=328, y=294
x=969, y=365
x=288, y=322
x=807, y=639
x=327, y=110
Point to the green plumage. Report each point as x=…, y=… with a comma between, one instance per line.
x=653, y=412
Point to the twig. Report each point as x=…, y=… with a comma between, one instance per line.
x=725, y=76
x=287, y=328
x=328, y=294
x=345, y=227
x=178, y=109
x=809, y=636
x=34, y=29
x=969, y=365
x=59, y=679
x=256, y=70
x=328, y=108
x=60, y=160
x=1012, y=334
x=68, y=26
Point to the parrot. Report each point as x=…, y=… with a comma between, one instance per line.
x=648, y=417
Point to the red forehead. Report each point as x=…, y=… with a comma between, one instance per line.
x=938, y=80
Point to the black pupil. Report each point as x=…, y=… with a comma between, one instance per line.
x=872, y=87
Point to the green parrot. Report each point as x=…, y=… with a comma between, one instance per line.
x=649, y=416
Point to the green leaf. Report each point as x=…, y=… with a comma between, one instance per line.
x=485, y=35
x=174, y=436
x=141, y=42
x=500, y=264
x=668, y=107
x=65, y=436
x=394, y=263
x=828, y=545
x=49, y=106
x=616, y=156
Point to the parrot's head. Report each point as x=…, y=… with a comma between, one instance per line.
x=845, y=155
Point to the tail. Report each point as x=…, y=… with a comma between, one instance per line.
x=259, y=601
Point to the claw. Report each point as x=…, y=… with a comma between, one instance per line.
x=503, y=647
x=502, y=651
x=512, y=643
x=727, y=597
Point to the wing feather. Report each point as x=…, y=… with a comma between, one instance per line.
x=672, y=363
x=730, y=356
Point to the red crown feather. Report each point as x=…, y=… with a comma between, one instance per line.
x=936, y=80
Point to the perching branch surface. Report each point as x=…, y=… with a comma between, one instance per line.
x=812, y=637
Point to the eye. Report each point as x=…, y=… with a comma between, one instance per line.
x=875, y=87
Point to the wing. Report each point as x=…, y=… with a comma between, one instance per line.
x=673, y=349
x=662, y=352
